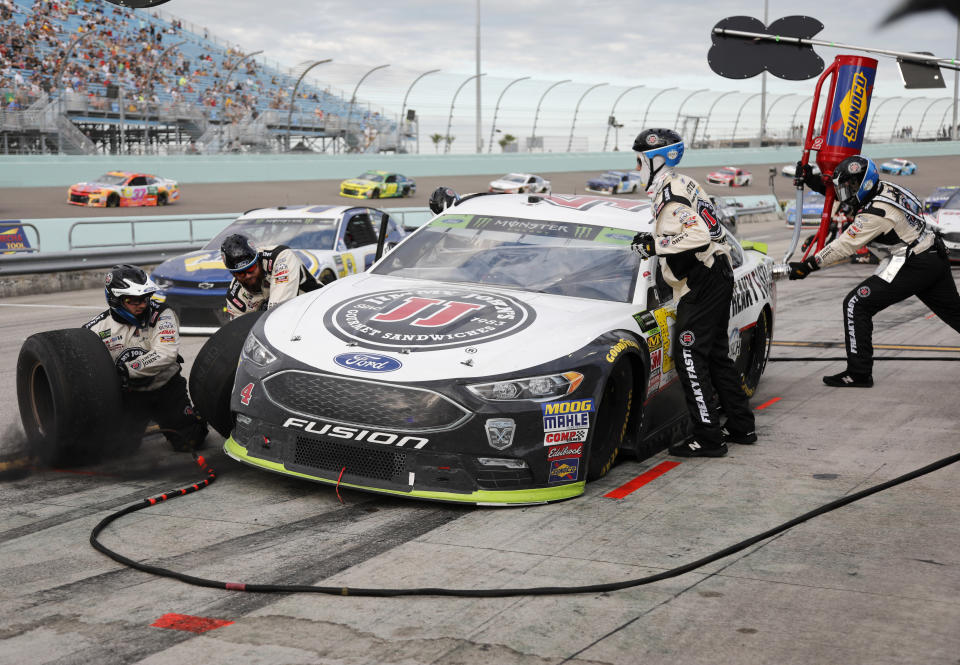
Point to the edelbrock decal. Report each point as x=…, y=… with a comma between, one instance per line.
x=427, y=319
x=368, y=362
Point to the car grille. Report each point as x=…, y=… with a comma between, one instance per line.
x=952, y=237
x=360, y=402
x=79, y=198
x=350, y=191
x=498, y=479
x=197, y=317
x=333, y=456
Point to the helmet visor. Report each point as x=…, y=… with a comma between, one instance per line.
x=846, y=190
x=645, y=168
x=246, y=267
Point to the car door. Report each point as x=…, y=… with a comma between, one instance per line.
x=136, y=191
x=390, y=185
x=358, y=240
x=624, y=185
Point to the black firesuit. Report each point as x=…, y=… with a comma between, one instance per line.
x=694, y=259
x=913, y=262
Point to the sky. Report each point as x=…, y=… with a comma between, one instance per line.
x=654, y=44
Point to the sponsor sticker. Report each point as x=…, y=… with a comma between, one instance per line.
x=565, y=436
x=621, y=346
x=368, y=362
x=687, y=338
x=246, y=394
x=564, y=470
x=167, y=339
x=569, y=406
x=104, y=333
x=654, y=341
x=566, y=421
x=562, y=452
x=863, y=291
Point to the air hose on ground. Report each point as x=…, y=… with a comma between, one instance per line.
x=473, y=593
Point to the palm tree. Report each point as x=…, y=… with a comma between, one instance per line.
x=436, y=138
x=506, y=140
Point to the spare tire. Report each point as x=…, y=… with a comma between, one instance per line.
x=211, y=377
x=69, y=396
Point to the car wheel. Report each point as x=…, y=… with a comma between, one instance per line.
x=613, y=414
x=162, y=200
x=405, y=193
x=375, y=194
x=753, y=359
x=327, y=276
x=69, y=396
x=211, y=378
x=113, y=201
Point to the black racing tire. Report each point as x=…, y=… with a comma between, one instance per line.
x=613, y=415
x=327, y=276
x=757, y=355
x=68, y=392
x=213, y=371
x=405, y=193
x=161, y=200
x=634, y=190
x=375, y=194
x=113, y=201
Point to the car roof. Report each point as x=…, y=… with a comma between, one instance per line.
x=126, y=174
x=634, y=214
x=297, y=212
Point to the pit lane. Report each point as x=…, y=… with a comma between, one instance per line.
x=874, y=582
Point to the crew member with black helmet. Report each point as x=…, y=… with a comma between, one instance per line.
x=694, y=260
x=262, y=278
x=443, y=198
x=143, y=338
x=888, y=219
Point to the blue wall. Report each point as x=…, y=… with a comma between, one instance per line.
x=64, y=170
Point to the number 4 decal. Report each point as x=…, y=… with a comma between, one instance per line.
x=246, y=394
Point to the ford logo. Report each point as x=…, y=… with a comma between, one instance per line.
x=368, y=362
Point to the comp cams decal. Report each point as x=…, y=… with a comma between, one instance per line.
x=428, y=319
x=566, y=422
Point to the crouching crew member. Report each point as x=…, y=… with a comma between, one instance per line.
x=889, y=219
x=143, y=338
x=694, y=260
x=262, y=279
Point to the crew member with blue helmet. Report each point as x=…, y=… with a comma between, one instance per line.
x=888, y=219
x=694, y=260
x=143, y=338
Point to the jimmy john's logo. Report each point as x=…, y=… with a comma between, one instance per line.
x=355, y=433
x=427, y=319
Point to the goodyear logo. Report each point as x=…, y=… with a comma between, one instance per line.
x=619, y=348
x=853, y=107
x=572, y=406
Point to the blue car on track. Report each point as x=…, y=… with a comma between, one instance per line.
x=935, y=201
x=614, y=182
x=812, y=209
x=898, y=167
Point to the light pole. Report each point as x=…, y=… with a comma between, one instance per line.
x=875, y=112
x=793, y=119
x=293, y=96
x=226, y=84
x=353, y=98
x=496, y=109
x=710, y=113
x=924, y=116
x=403, y=109
x=733, y=135
x=58, y=85
x=644, y=124
x=894, y=130
x=613, y=114
x=446, y=136
x=577, y=109
x=676, y=123
x=766, y=122
x=146, y=99
x=533, y=133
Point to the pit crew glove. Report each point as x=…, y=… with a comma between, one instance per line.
x=643, y=245
x=804, y=176
x=124, y=375
x=800, y=269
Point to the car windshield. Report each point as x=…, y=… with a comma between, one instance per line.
x=294, y=233
x=374, y=177
x=729, y=171
x=953, y=203
x=513, y=177
x=109, y=179
x=548, y=257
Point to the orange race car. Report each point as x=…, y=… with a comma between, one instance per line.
x=122, y=189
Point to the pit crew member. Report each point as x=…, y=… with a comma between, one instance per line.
x=888, y=218
x=694, y=259
x=143, y=338
x=262, y=279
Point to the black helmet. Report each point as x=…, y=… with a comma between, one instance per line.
x=856, y=181
x=443, y=198
x=656, y=148
x=127, y=280
x=238, y=253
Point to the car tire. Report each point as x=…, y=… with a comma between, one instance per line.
x=613, y=414
x=69, y=396
x=327, y=276
x=756, y=355
x=405, y=193
x=113, y=201
x=213, y=371
x=375, y=194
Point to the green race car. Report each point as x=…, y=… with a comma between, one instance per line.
x=378, y=185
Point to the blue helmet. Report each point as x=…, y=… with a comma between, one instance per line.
x=856, y=180
x=655, y=149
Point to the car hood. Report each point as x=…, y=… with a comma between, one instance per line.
x=603, y=180
x=91, y=186
x=202, y=266
x=432, y=331
x=357, y=182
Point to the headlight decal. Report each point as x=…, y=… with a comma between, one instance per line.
x=256, y=351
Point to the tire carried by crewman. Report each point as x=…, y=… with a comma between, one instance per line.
x=613, y=415
x=69, y=394
x=211, y=377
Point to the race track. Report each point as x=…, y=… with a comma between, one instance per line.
x=874, y=582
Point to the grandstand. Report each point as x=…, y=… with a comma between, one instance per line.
x=87, y=76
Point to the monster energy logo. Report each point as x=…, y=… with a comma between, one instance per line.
x=535, y=227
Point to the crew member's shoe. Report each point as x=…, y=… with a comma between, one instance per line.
x=746, y=438
x=848, y=380
x=694, y=448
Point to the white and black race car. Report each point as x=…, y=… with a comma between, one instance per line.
x=504, y=353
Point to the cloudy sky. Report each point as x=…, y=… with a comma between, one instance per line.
x=654, y=44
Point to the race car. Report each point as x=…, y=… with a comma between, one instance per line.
x=378, y=185
x=948, y=223
x=122, y=189
x=502, y=354
x=812, y=209
x=614, y=182
x=898, y=167
x=332, y=242
x=940, y=195
x=520, y=183
x=790, y=170
x=730, y=176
